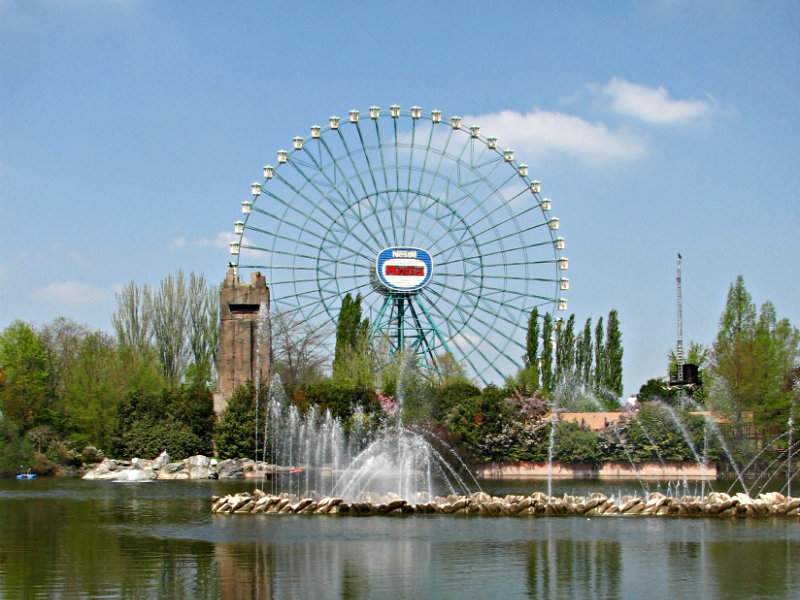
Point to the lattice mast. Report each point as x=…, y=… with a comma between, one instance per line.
x=679, y=352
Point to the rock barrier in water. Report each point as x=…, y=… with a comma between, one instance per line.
x=163, y=467
x=715, y=504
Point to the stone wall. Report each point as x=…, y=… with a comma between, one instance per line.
x=244, y=347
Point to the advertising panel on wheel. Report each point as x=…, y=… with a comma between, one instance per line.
x=404, y=269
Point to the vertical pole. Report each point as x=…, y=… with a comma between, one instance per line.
x=789, y=467
x=679, y=352
x=400, y=323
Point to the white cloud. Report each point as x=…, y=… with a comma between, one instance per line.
x=653, y=105
x=222, y=240
x=72, y=293
x=541, y=133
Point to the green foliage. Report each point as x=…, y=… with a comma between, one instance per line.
x=448, y=397
x=15, y=450
x=491, y=426
x=752, y=359
x=531, y=358
x=339, y=398
x=575, y=444
x=548, y=376
x=179, y=420
x=236, y=429
x=565, y=348
x=586, y=354
x=653, y=389
x=613, y=356
x=24, y=365
x=352, y=352
x=599, y=357
x=93, y=392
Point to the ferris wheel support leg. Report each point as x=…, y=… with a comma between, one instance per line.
x=401, y=310
x=435, y=329
x=377, y=325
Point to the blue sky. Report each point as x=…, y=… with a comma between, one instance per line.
x=130, y=131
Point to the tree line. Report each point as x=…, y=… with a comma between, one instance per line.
x=68, y=392
x=753, y=365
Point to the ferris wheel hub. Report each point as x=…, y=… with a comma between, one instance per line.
x=401, y=270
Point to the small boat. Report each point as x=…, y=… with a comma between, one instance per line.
x=26, y=475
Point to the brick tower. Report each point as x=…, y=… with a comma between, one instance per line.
x=244, y=336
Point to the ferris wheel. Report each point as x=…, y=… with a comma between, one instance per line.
x=440, y=231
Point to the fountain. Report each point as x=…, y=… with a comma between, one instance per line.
x=376, y=457
x=373, y=464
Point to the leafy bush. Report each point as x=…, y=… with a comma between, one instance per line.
x=574, y=444
x=15, y=450
x=235, y=435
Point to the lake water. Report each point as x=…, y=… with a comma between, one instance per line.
x=79, y=539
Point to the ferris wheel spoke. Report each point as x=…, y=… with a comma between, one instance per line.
x=498, y=304
x=310, y=216
x=356, y=170
x=478, y=298
x=380, y=153
x=508, y=250
x=320, y=302
x=441, y=155
x=337, y=168
x=348, y=205
x=476, y=339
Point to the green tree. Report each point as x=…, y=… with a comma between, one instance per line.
x=93, y=392
x=133, y=326
x=62, y=338
x=586, y=367
x=599, y=358
x=353, y=363
x=235, y=435
x=203, y=324
x=565, y=349
x=547, y=354
x=752, y=358
x=24, y=365
x=613, y=355
x=653, y=389
x=531, y=358
x=168, y=307
x=15, y=450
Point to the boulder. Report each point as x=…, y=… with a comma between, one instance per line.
x=230, y=469
x=175, y=470
x=141, y=463
x=200, y=467
x=161, y=460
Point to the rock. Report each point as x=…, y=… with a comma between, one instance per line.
x=161, y=460
x=176, y=470
x=230, y=469
x=481, y=497
x=141, y=463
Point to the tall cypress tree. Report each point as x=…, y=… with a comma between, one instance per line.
x=613, y=354
x=547, y=353
x=599, y=357
x=532, y=348
x=348, y=330
x=587, y=353
x=565, y=348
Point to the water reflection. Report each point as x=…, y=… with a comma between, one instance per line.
x=562, y=568
x=75, y=539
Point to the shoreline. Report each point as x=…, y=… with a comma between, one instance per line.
x=204, y=468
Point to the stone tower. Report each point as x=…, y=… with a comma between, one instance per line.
x=244, y=336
